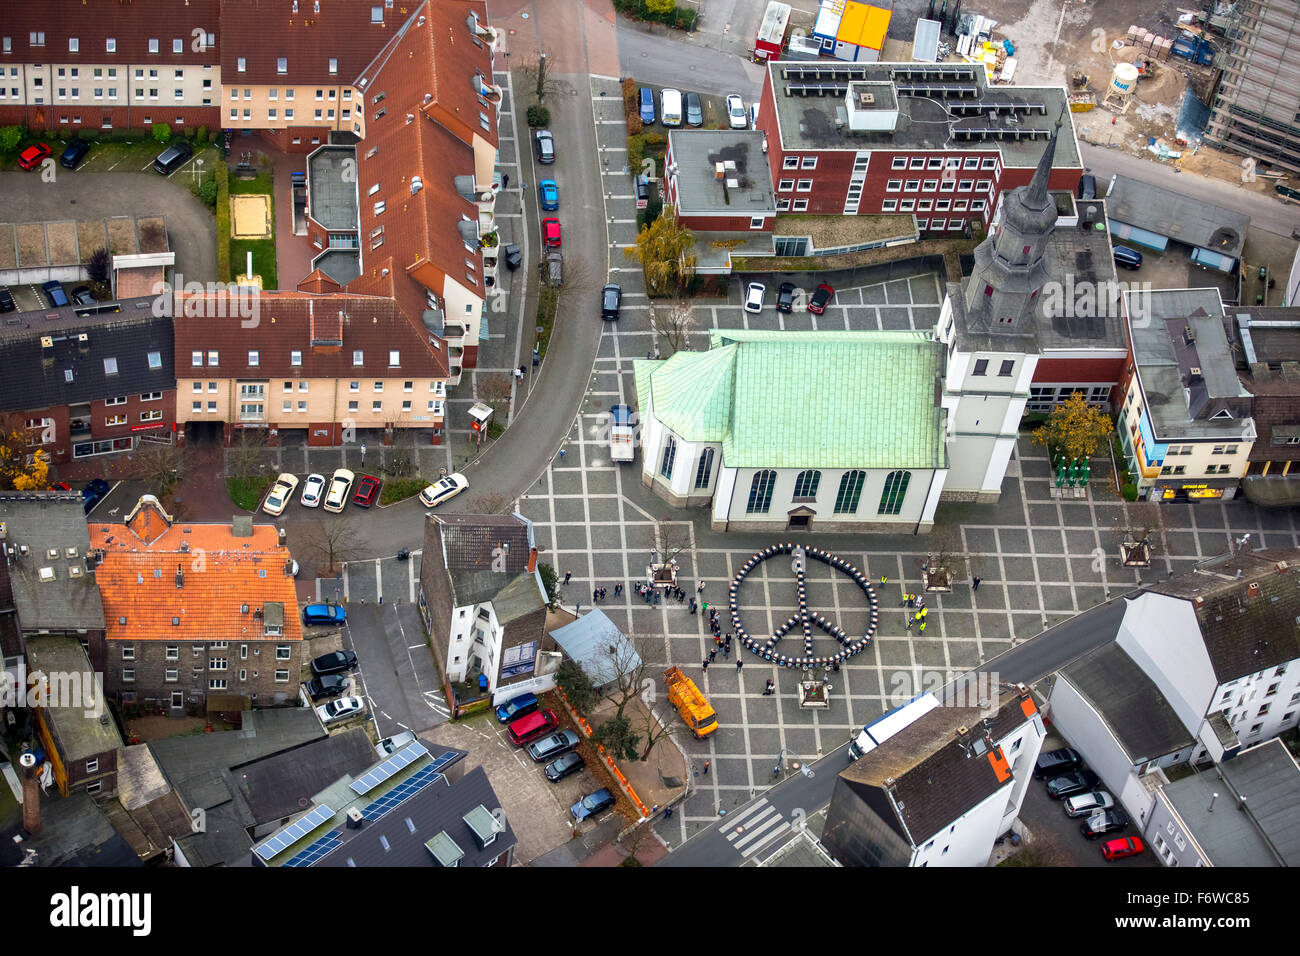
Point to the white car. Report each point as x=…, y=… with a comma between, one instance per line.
x=1086, y=804
x=312, y=490
x=280, y=494
x=390, y=745
x=442, y=490
x=340, y=485
x=339, y=709
x=737, y=115
x=754, y=297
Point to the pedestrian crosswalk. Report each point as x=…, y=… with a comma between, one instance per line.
x=755, y=828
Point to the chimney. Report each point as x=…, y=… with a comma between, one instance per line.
x=1210, y=808
x=719, y=171
x=31, y=794
x=532, y=559
x=355, y=819
x=180, y=577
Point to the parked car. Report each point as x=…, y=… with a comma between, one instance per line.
x=74, y=154
x=527, y=729
x=514, y=257
x=549, y=191
x=33, y=156
x=325, y=614
x=1082, y=804
x=821, y=298
x=367, y=492
x=93, y=494
x=553, y=745
x=313, y=489
x=83, y=296
x=1107, y=821
x=754, y=294
x=1071, y=783
x=340, y=485
x=694, y=111
x=326, y=685
x=280, y=494
x=592, y=804
x=737, y=115
x=444, y=489
x=390, y=745
x=551, y=233
x=544, y=144
x=517, y=707
x=1056, y=762
x=611, y=301
x=1124, y=846
x=670, y=107
x=335, y=662
x=340, y=709
x=7, y=300
x=55, y=294
x=561, y=767
x=785, y=296
x=1127, y=258
x=647, y=99
x=172, y=158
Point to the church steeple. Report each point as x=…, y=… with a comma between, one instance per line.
x=1002, y=291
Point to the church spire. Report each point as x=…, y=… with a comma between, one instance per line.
x=1036, y=192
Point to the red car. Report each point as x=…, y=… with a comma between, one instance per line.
x=367, y=491
x=32, y=156
x=820, y=299
x=1124, y=846
x=551, y=233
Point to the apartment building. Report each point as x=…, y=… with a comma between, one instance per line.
x=933, y=141
x=193, y=609
x=317, y=364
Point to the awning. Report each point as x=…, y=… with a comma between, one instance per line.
x=1143, y=237
x=1272, y=491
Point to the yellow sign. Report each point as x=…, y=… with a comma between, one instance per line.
x=1193, y=491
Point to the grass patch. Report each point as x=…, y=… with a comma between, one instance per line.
x=399, y=489
x=247, y=492
x=547, y=298
x=223, y=221
x=261, y=183
x=263, y=259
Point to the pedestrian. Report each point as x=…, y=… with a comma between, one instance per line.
x=505, y=180
x=595, y=595
x=519, y=374
x=604, y=593
x=704, y=606
x=618, y=590
x=577, y=608
x=646, y=594
x=918, y=617
x=908, y=625
x=706, y=768
x=717, y=638
x=739, y=663
x=726, y=649
x=692, y=605
x=705, y=665
x=728, y=638
x=975, y=583
x=700, y=589
x=883, y=580
x=668, y=813
x=922, y=628
x=713, y=654
x=561, y=452
x=767, y=691
x=657, y=595
x=522, y=370
x=920, y=600
x=567, y=575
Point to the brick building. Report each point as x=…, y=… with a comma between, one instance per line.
x=91, y=384
x=932, y=141
x=311, y=363
x=80, y=739
x=196, y=608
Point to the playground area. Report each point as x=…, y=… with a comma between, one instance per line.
x=250, y=216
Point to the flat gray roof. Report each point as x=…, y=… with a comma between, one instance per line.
x=1187, y=219
x=81, y=735
x=331, y=197
x=696, y=153
x=55, y=599
x=811, y=109
x=1068, y=321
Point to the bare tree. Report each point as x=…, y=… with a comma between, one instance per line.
x=245, y=453
x=494, y=503
x=656, y=730
x=1043, y=851
x=495, y=390
x=538, y=72
x=619, y=667
x=671, y=538
x=673, y=322
x=940, y=564
x=1142, y=530
x=332, y=541
x=401, y=459
x=163, y=466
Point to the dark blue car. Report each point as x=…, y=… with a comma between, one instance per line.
x=647, y=106
x=324, y=614
x=550, y=194
x=592, y=804
x=517, y=707
x=93, y=493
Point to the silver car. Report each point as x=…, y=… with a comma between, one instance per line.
x=1084, y=804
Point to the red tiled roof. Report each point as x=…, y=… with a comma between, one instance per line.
x=373, y=325
x=318, y=282
x=132, y=23
x=221, y=574
x=262, y=31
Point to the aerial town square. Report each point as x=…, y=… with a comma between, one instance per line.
x=660, y=433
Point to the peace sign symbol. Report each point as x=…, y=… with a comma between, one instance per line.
x=804, y=618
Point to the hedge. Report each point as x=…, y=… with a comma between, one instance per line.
x=222, y=172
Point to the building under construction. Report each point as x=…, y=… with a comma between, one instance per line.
x=1256, y=108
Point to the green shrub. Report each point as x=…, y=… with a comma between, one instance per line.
x=685, y=19
x=208, y=193
x=222, y=176
x=10, y=137
x=201, y=136
x=538, y=115
x=634, y=124
x=162, y=133
x=636, y=151
x=1130, y=491
x=629, y=97
x=89, y=135
x=655, y=139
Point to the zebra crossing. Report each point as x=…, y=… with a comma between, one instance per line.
x=756, y=828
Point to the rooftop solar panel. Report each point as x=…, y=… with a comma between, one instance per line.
x=412, y=785
x=295, y=831
x=397, y=762
x=317, y=850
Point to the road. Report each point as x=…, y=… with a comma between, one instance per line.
x=683, y=63
x=1265, y=212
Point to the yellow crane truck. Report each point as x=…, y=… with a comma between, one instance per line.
x=690, y=703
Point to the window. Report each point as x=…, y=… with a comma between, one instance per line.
x=809, y=162
x=930, y=185
x=790, y=162
x=850, y=492
x=891, y=499
x=172, y=675
x=212, y=386
x=254, y=358
x=889, y=205
x=756, y=222
x=804, y=186
x=894, y=185
x=115, y=420
x=281, y=676
x=334, y=65
x=970, y=162
x=669, y=456
x=925, y=205
x=408, y=386
x=155, y=415
x=358, y=358
x=377, y=405
x=394, y=359
x=907, y=205
x=912, y=185
x=282, y=64
x=352, y=406
x=801, y=205
x=38, y=38
x=965, y=186
x=213, y=359
x=286, y=406
x=151, y=396
x=900, y=162
x=110, y=368
x=760, y=492
x=128, y=674
x=173, y=652
x=128, y=653
x=805, y=485
x=212, y=406
x=354, y=386
x=155, y=360
x=241, y=65
x=1007, y=366
x=918, y=162
x=110, y=45
x=704, y=470
x=218, y=684
x=379, y=386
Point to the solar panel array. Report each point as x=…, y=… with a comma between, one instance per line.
x=985, y=133
x=931, y=74
x=938, y=91
x=397, y=762
x=816, y=89
x=295, y=832
x=309, y=856
x=998, y=106
x=407, y=788
x=823, y=72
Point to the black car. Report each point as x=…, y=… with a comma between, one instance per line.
x=1071, y=783
x=1107, y=821
x=334, y=663
x=785, y=297
x=74, y=154
x=611, y=300
x=561, y=767
x=82, y=295
x=6, y=300
x=514, y=257
x=1056, y=762
x=327, y=685
x=93, y=493
x=544, y=144
x=694, y=112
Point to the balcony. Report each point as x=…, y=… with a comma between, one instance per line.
x=79, y=428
